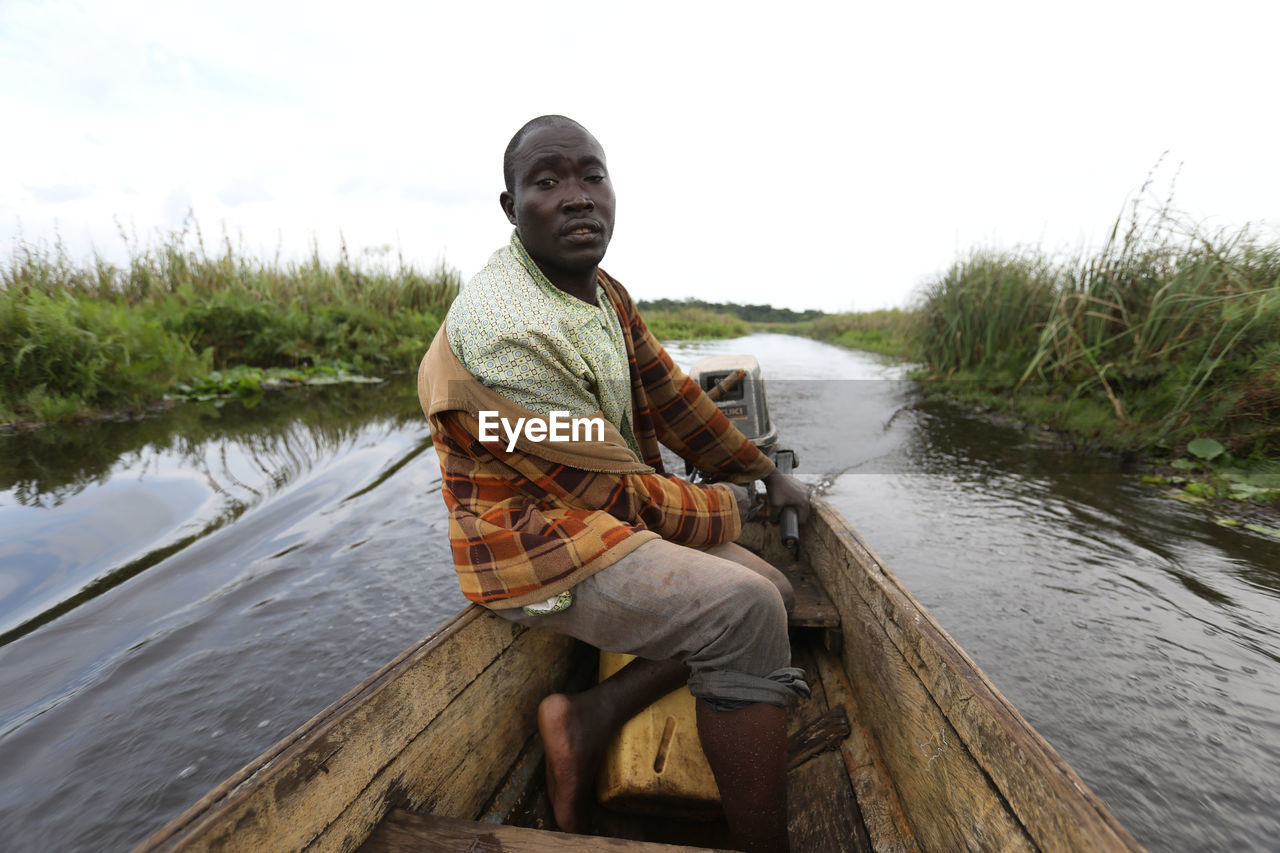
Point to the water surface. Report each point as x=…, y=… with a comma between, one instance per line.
x=179, y=593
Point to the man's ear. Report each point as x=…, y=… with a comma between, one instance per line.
x=508, y=202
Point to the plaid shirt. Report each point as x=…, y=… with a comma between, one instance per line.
x=529, y=523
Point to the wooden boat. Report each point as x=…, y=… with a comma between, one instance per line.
x=904, y=745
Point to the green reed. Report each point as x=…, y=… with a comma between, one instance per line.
x=1174, y=330
x=77, y=337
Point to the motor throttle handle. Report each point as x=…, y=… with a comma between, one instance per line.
x=788, y=520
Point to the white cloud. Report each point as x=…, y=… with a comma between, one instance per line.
x=56, y=194
x=828, y=158
x=245, y=190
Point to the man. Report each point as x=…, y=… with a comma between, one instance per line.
x=588, y=536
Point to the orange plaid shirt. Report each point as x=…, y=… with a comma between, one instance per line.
x=528, y=524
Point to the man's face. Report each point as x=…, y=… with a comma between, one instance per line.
x=562, y=201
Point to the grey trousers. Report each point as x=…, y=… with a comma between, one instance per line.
x=722, y=611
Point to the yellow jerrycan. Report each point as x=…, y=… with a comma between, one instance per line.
x=655, y=764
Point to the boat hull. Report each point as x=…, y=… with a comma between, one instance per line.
x=933, y=757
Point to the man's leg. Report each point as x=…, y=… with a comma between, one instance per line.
x=747, y=751
x=735, y=553
x=745, y=748
x=666, y=602
x=576, y=729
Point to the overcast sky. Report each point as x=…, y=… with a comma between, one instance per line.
x=829, y=156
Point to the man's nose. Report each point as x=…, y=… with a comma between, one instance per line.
x=579, y=199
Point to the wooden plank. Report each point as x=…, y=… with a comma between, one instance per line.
x=878, y=802
x=822, y=814
x=907, y=670
x=808, y=709
x=821, y=735
x=290, y=795
x=406, y=832
x=526, y=774
x=947, y=799
x=453, y=766
x=534, y=811
x=813, y=607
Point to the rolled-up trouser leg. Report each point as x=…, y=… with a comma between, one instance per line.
x=664, y=601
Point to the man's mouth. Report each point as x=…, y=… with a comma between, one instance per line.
x=582, y=230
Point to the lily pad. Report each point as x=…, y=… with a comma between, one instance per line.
x=1223, y=521
x=1266, y=531
x=1248, y=491
x=1207, y=449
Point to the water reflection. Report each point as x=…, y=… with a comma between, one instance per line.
x=42, y=468
x=97, y=504
x=230, y=573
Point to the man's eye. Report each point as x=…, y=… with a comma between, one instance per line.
x=545, y=182
x=595, y=179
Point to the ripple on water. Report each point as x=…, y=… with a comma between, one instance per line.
x=1108, y=616
x=154, y=692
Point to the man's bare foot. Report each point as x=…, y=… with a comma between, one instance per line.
x=572, y=760
x=576, y=729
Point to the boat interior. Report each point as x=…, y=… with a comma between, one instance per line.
x=829, y=760
x=904, y=744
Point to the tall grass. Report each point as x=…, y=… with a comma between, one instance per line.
x=81, y=336
x=1174, y=329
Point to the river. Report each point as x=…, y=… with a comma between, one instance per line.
x=180, y=592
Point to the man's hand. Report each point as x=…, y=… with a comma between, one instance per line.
x=741, y=495
x=785, y=490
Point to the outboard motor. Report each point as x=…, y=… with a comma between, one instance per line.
x=735, y=384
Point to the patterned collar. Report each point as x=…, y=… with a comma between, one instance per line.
x=539, y=277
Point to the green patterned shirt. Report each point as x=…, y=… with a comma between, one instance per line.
x=538, y=346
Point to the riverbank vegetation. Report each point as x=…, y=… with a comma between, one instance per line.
x=1165, y=343
x=754, y=314
x=892, y=331
x=1167, y=334
x=77, y=338
x=697, y=319
x=889, y=332
x=686, y=323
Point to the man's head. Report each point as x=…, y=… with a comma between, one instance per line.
x=559, y=196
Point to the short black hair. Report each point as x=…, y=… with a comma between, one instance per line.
x=508, y=158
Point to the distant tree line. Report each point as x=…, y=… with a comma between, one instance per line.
x=750, y=313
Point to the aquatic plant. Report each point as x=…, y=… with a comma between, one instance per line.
x=1174, y=330
x=77, y=337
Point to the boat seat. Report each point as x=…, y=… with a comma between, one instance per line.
x=813, y=607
